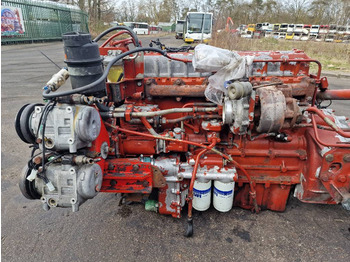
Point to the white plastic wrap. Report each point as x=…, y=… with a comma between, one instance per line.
x=228, y=65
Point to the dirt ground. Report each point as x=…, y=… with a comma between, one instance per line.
x=102, y=230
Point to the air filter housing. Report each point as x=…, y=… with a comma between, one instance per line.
x=84, y=62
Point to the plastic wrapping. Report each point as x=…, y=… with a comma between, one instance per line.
x=228, y=65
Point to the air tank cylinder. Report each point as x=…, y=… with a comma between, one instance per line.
x=84, y=63
x=223, y=196
x=202, y=195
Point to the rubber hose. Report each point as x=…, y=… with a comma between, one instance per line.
x=102, y=107
x=132, y=33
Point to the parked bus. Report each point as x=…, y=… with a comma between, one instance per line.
x=265, y=26
x=315, y=29
x=179, y=29
x=313, y=37
x=270, y=28
x=154, y=29
x=282, y=35
x=324, y=29
x=138, y=27
x=198, y=27
x=276, y=27
x=304, y=37
x=259, y=27
x=297, y=36
x=298, y=28
x=332, y=29
x=346, y=38
x=284, y=27
x=329, y=38
x=306, y=29
x=290, y=28
x=341, y=29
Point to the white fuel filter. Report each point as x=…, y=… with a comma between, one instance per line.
x=223, y=196
x=201, y=195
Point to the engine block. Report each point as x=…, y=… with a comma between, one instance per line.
x=153, y=136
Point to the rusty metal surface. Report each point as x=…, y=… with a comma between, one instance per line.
x=127, y=176
x=292, y=113
x=176, y=90
x=272, y=107
x=158, y=178
x=306, y=88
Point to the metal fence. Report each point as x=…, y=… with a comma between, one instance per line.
x=39, y=20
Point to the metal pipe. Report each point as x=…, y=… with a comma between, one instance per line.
x=172, y=121
x=175, y=110
x=179, y=59
x=198, y=104
x=334, y=94
x=328, y=121
x=167, y=111
x=209, y=176
x=193, y=178
x=147, y=124
x=317, y=137
x=252, y=189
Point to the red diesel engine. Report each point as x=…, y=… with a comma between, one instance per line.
x=242, y=129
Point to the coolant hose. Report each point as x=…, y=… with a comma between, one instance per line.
x=328, y=121
x=132, y=33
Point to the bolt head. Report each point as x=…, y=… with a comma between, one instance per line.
x=346, y=158
x=329, y=158
x=135, y=167
x=324, y=177
x=341, y=178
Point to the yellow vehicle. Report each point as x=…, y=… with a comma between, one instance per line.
x=289, y=36
x=251, y=28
